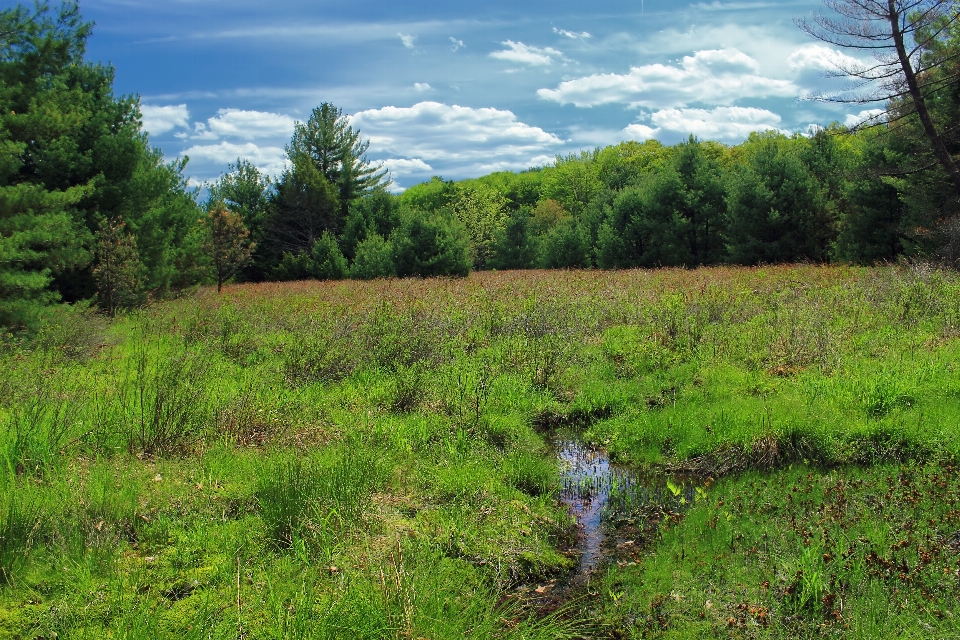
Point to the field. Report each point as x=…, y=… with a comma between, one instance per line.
x=373, y=460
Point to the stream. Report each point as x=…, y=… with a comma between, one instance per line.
x=617, y=508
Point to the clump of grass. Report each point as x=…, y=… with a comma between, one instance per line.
x=19, y=526
x=168, y=402
x=44, y=414
x=531, y=472
x=314, y=498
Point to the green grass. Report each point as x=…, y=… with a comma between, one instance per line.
x=317, y=460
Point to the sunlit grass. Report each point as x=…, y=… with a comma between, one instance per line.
x=365, y=459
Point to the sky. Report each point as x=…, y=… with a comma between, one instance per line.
x=461, y=89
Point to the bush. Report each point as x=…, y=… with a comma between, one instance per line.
x=328, y=262
x=374, y=259
x=566, y=246
x=426, y=245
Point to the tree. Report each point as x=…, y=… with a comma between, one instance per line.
x=337, y=152
x=227, y=242
x=513, y=246
x=119, y=272
x=328, y=262
x=304, y=206
x=38, y=240
x=898, y=33
x=62, y=131
x=374, y=259
x=428, y=245
x=772, y=204
x=483, y=211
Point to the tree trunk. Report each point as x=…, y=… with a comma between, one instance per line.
x=939, y=148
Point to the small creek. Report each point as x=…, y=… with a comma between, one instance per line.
x=616, y=507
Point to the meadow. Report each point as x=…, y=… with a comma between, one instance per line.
x=373, y=460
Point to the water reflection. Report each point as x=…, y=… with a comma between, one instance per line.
x=612, y=502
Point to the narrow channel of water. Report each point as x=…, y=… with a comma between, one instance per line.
x=615, y=507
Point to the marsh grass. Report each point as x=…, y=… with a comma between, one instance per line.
x=368, y=459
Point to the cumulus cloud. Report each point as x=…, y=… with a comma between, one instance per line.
x=422, y=86
x=721, y=123
x=640, y=132
x=212, y=159
x=457, y=44
x=459, y=141
x=407, y=41
x=720, y=76
x=159, y=120
x=572, y=34
x=404, y=166
x=247, y=125
x=817, y=57
x=871, y=116
x=525, y=54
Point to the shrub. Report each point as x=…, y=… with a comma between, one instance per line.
x=374, y=259
x=428, y=246
x=328, y=262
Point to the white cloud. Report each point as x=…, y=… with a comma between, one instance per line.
x=721, y=123
x=403, y=166
x=525, y=54
x=640, y=132
x=460, y=141
x=720, y=76
x=457, y=44
x=216, y=157
x=160, y=120
x=571, y=34
x=422, y=86
x=408, y=41
x=852, y=120
x=248, y=125
x=817, y=57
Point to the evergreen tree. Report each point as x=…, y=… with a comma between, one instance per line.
x=374, y=259
x=119, y=272
x=772, y=204
x=428, y=245
x=304, y=206
x=376, y=214
x=513, y=246
x=227, y=242
x=328, y=262
x=337, y=152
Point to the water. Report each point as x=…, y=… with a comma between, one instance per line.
x=615, y=506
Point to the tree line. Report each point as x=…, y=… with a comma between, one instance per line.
x=89, y=210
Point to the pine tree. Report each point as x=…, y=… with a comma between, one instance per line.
x=227, y=243
x=338, y=154
x=119, y=272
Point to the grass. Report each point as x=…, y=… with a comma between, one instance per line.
x=314, y=460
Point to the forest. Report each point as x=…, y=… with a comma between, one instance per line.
x=92, y=213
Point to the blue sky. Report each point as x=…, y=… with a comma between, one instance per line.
x=460, y=89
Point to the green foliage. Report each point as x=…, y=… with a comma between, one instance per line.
x=376, y=214
x=428, y=245
x=565, y=246
x=483, y=212
x=73, y=155
x=118, y=272
x=374, y=259
x=772, y=205
x=305, y=206
x=513, y=246
x=328, y=262
x=337, y=153
x=38, y=240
